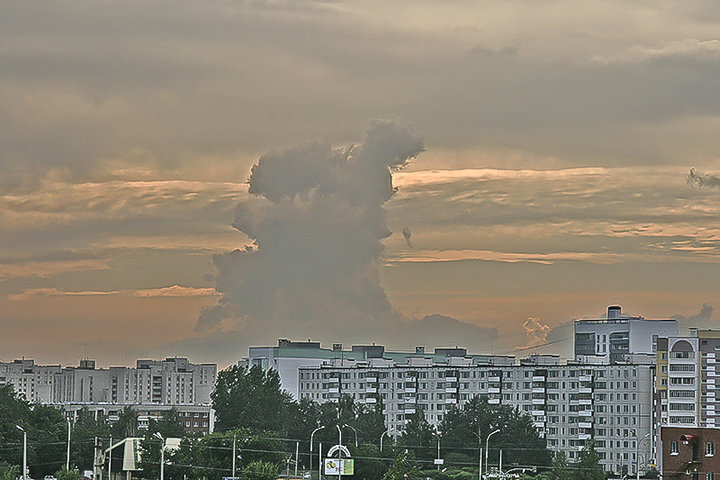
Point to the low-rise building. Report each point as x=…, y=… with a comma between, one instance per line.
x=690, y=453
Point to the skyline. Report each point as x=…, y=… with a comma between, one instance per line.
x=557, y=159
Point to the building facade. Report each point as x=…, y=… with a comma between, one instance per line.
x=687, y=379
x=152, y=387
x=569, y=403
x=617, y=336
x=690, y=453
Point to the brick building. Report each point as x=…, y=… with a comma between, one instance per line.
x=690, y=453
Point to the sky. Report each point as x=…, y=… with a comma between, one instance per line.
x=193, y=177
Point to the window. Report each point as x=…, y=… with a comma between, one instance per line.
x=674, y=448
x=709, y=449
x=709, y=476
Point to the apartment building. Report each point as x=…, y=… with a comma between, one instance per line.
x=569, y=403
x=686, y=381
x=150, y=386
x=289, y=356
x=617, y=335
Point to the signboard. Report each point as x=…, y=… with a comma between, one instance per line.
x=337, y=466
x=439, y=461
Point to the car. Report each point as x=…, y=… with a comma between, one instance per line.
x=50, y=477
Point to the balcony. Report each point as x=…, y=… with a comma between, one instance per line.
x=494, y=401
x=537, y=424
x=370, y=400
x=410, y=390
x=450, y=389
x=451, y=400
x=494, y=378
x=370, y=390
x=451, y=379
x=333, y=390
x=371, y=379
x=538, y=390
x=585, y=378
x=585, y=390
x=538, y=401
x=538, y=413
x=493, y=390
x=585, y=401
x=584, y=424
x=537, y=378
x=409, y=411
x=584, y=436
x=585, y=413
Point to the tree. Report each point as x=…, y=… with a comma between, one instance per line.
x=418, y=436
x=560, y=468
x=260, y=471
x=9, y=472
x=250, y=398
x=402, y=468
x=588, y=466
x=126, y=425
x=87, y=426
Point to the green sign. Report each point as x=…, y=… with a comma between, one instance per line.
x=348, y=467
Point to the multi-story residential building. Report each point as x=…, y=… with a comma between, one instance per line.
x=686, y=382
x=289, y=356
x=569, y=403
x=151, y=386
x=617, y=336
x=34, y=382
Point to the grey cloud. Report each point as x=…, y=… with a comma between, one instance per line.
x=317, y=221
x=702, y=319
x=97, y=81
x=703, y=179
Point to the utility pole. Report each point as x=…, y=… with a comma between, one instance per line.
x=97, y=464
x=234, y=454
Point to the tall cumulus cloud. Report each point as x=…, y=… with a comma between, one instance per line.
x=316, y=220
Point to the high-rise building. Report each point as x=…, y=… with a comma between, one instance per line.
x=569, y=403
x=617, y=336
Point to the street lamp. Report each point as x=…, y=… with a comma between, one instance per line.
x=67, y=463
x=24, y=472
x=438, y=454
x=637, y=458
x=487, y=441
x=386, y=432
x=356, y=439
x=162, y=455
x=311, y=446
x=339, y=450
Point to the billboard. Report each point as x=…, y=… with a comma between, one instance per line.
x=338, y=466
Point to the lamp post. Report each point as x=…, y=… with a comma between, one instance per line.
x=487, y=441
x=339, y=451
x=386, y=432
x=162, y=455
x=24, y=471
x=234, y=454
x=353, y=428
x=437, y=435
x=311, y=447
x=67, y=462
x=637, y=458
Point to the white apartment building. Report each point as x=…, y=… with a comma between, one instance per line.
x=617, y=335
x=569, y=403
x=687, y=379
x=173, y=381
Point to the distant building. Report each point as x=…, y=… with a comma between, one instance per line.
x=690, y=453
x=289, y=356
x=618, y=336
x=151, y=386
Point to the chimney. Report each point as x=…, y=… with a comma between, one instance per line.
x=420, y=350
x=614, y=311
x=337, y=347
